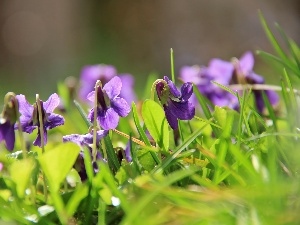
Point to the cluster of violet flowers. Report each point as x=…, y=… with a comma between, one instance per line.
x=110, y=102
x=238, y=71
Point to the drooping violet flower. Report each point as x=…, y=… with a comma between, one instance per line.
x=90, y=74
x=8, y=118
x=86, y=140
x=175, y=103
x=30, y=116
x=109, y=106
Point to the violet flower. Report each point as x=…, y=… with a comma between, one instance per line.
x=30, y=117
x=90, y=74
x=175, y=103
x=8, y=119
x=227, y=73
x=109, y=106
x=86, y=140
x=244, y=72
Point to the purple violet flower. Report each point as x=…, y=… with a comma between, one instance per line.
x=86, y=140
x=8, y=119
x=109, y=106
x=90, y=74
x=227, y=73
x=175, y=103
x=30, y=117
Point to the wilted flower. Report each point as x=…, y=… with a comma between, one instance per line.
x=86, y=140
x=8, y=119
x=109, y=105
x=90, y=74
x=30, y=116
x=175, y=103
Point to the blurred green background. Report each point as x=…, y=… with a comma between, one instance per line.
x=43, y=42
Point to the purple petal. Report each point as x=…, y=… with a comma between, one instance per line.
x=173, y=89
x=253, y=78
x=246, y=62
x=54, y=120
x=37, y=141
x=127, y=91
x=51, y=103
x=182, y=110
x=186, y=91
x=109, y=119
x=88, y=138
x=75, y=138
x=91, y=96
x=24, y=107
x=90, y=74
x=113, y=87
x=7, y=133
x=273, y=97
x=221, y=71
x=171, y=118
x=191, y=74
x=120, y=106
x=128, y=152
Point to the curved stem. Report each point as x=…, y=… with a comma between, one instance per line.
x=94, y=151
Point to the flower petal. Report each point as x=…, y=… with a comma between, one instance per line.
x=7, y=133
x=186, y=91
x=51, y=103
x=91, y=96
x=113, y=87
x=127, y=91
x=182, y=110
x=24, y=107
x=120, y=106
x=54, y=120
x=221, y=71
x=109, y=119
x=173, y=89
x=246, y=62
x=37, y=141
x=171, y=118
x=75, y=138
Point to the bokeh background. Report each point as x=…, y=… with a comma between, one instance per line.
x=42, y=42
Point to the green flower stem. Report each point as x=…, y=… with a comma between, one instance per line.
x=94, y=151
x=41, y=128
x=172, y=65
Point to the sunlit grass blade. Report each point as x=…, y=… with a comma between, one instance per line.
x=272, y=39
x=167, y=162
x=270, y=110
x=289, y=44
x=133, y=215
x=142, y=132
x=112, y=159
x=138, y=125
x=276, y=59
x=82, y=113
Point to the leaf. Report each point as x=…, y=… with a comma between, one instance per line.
x=57, y=163
x=156, y=123
x=20, y=172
